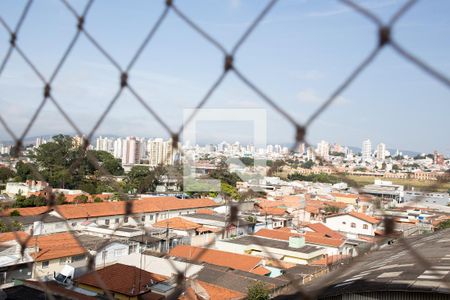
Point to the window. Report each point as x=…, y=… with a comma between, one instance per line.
x=118, y=252
x=365, y=226
x=353, y=225
x=143, y=218
x=107, y=222
x=74, y=224
x=125, y=220
x=117, y=220
x=151, y=217
x=344, y=223
x=62, y=261
x=104, y=254
x=78, y=258
x=132, y=249
x=45, y=264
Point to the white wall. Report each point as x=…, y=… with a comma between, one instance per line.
x=112, y=253
x=343, y=223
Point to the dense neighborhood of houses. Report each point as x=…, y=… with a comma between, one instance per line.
x=221, y=248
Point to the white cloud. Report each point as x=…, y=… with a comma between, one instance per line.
x=310, y=96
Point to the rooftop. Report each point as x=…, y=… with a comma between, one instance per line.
x=177, y=223
x=236, y=280
x=216, y=257
x=56, y=246
x=395, y=268
x=265, y=242
x=144, y=205
x=310, y=237
x=113, y=278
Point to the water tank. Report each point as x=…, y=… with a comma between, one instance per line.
x=296, y=241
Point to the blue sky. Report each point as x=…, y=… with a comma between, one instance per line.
x=298, y=55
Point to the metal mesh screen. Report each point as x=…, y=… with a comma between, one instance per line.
x=385, y=40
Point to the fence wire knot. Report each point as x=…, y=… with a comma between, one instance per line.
x=13, y=39
x=228, y=63
x=384, y=36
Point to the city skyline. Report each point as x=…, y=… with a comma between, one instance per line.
x=300, y=78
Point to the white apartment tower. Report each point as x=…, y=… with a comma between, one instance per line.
x=323, y=150
x=118, y=146
x=366, y=150
x=159, y=152
x=130, y=151
x=310, y=154
x=381, y=152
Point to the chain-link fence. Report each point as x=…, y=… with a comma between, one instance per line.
x=385, y=39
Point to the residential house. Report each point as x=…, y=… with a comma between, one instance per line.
x=145, y=211
x=37, y=224
x=52, y=252
x=107, y=251
x=353, y=224
x=295, y=250
x=231, y=260
x=122, y=282
x=14, y=265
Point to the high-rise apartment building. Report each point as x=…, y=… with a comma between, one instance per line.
x=366, y=150
x=159, y=152
x=130, y=151
x=381, y=152
x=323, y=150
x=310, y=154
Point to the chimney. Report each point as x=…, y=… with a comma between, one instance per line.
x=296, y=242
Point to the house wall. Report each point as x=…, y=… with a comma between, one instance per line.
x=257, y=250
x=343, y=223
x=112, y=252
x=114, y=221
x=203, y=239
x=55, y=265
x=300, y=216
x=9, y=274
x=45, y=228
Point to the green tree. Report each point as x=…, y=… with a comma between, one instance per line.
x=229, y=191
x=61, y=162
x=258, y=291
x=81, y=199
x=307, y=164
x=443, y=225
x=15, y=213
x=97, y=200
x=60, y=199
x=3, y=227
x=141, y=179
x=6, y=173
x=32, y=201
x=330, y=209
x=248, y=161
x=24, y=171
x=105, y=159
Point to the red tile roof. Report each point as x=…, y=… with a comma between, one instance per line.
x=260, y=270
x=216, y=257
x=19, y=236
x=144, y=205
x=214, y=292
x=310, y=237
x=27, y=211
x=205, y=211
x=364, y=217
x=276, y=211
x=55, y=246
x=122, y=279
x=326, y=231
x=177, y=223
